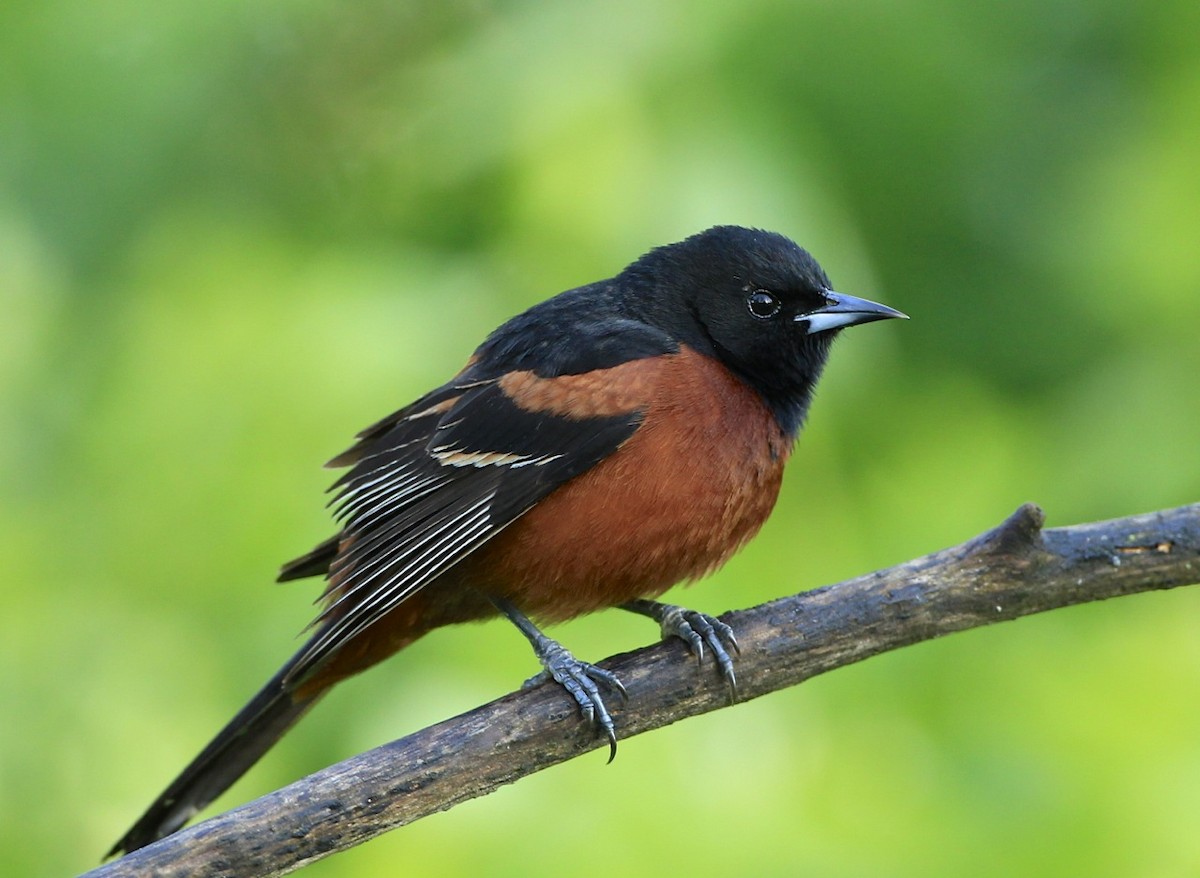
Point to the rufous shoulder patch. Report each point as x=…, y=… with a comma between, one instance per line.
x=596, y=394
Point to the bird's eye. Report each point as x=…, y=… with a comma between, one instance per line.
x=762, y=304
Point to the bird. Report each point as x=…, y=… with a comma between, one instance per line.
x=595, y=450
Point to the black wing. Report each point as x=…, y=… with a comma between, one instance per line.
x=430, y=485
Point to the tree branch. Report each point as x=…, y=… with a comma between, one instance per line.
x=1011, y=571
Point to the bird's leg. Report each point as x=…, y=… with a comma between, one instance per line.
x=579, y=678
x=696, y=630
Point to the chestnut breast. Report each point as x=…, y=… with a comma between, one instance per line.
x=683, y=494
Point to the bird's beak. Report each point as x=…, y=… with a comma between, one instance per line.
x=843, y=310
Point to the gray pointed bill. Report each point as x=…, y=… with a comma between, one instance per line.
x=843, y=310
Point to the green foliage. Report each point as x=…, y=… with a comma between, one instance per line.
x=232, y=234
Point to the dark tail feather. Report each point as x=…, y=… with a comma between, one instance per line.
x=314, y=563
x=228, y=756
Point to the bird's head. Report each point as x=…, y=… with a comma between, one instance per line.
x=757, y=302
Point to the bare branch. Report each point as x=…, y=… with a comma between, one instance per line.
x=1011, y=571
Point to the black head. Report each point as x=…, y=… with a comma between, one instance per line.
x=756, y=301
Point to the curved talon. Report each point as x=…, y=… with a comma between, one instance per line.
x=717, y=635
x=580, y=679
x=695, y=629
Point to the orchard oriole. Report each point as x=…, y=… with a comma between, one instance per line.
x=595, y=450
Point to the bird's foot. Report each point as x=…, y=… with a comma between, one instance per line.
x=696, y=630
x=582, y=681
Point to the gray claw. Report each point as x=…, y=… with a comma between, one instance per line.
x=696, y=630
x=580, y=679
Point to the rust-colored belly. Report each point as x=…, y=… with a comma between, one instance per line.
x=695, y=482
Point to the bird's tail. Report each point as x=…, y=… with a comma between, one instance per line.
x=227, y=757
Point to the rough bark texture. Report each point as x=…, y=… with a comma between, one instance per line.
x=1011, y=571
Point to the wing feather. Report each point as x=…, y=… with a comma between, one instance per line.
x=432, y=483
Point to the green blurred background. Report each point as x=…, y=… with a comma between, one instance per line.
x=231, y=234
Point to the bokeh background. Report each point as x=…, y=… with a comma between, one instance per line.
x=231, y=234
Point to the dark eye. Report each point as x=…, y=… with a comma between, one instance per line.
x=762, y=304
